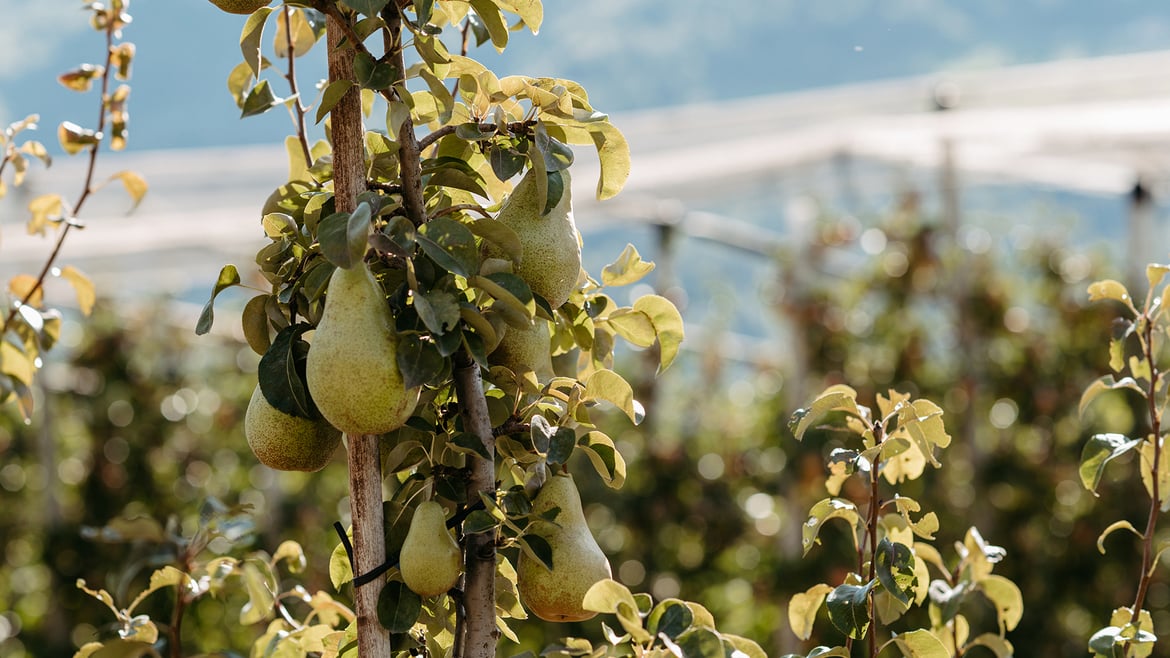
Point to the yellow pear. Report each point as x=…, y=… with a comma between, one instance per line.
x=430, y=560
x=240, y=6
x=287, y=443
x=521, y=350
x=551, y=260
x=577, y=560
x=352, y=369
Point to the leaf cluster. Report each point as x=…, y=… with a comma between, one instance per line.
x=890, y=536
x=28, y=326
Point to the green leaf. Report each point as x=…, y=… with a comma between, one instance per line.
x=228, y=276
x=920, y=644
x=493, y=20
x=671, y=617
x=477, y=522
x=634, y=326
x=513, y=298
x=531, y=12
x=366, y=7
x=372, y=74
x=610, y=596
x=895, y=570
x=332, y=96
x=167, y=576
x=1109, y=289
x=451, y=245
x=282, y=373
x=606, y=460
x=803, y=607
x=340, y=570
x=825, y=510
x=291, y=552
x=608, y=386
x=419, y=360
x=628, y=268
x=834, y=398
x=1007, y=599
x=255, y=323
x=1106, y=383
x=499, y=234
x=345, y=236
x=849, y=609
x=259, y=100
x=1099, y=450
x=700, y=642
x=439, y=310
x=561, y=446
x=251, y=38
x=668, y=325
x=614, y=154
x=1116, y=525
x=742, y=647
x=505, y=162
x=537, y=547
x=398, y=607
x=994, y=643
x=261, y=588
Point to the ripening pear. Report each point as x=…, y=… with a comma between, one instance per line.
x=240, y=6
x=287, y=443
x=577, y=560
x=551, y=260
x=430, y=560
x=524, y=349
x=352, y=369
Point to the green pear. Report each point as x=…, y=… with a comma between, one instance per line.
x=524, y=349
x=430, y=560
x=287, y=443
x=352, y=369
x=577, y=560
x=551, y=260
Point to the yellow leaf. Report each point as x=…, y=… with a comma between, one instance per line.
x=135, y=185
x=82, y=286
x=25, y=285
x=45, y=208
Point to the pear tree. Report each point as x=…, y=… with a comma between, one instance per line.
x=414, y=296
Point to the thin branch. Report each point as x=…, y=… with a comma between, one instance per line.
x=427, y=140
x=298, y=107
x=1147, y=340
x=410, y=163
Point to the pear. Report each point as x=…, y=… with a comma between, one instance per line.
x=240, y=6
x=524, y=349
x=551, y=260
x=430, y=560
x=577, y=560
x=287, y=443
x=352, y=368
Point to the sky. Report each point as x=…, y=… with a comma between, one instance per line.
x=628, y=53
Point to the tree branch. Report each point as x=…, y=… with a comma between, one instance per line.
x=427, y=140
x=365, y=468
x=479, y=633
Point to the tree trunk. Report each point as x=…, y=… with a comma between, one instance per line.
x=365, y=470
x=479, y=582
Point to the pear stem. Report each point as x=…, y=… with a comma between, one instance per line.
x=365, y=467
x=479, y=632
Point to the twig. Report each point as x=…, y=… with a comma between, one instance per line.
x=86, y=190
x=298, y=107
x=427, y=140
